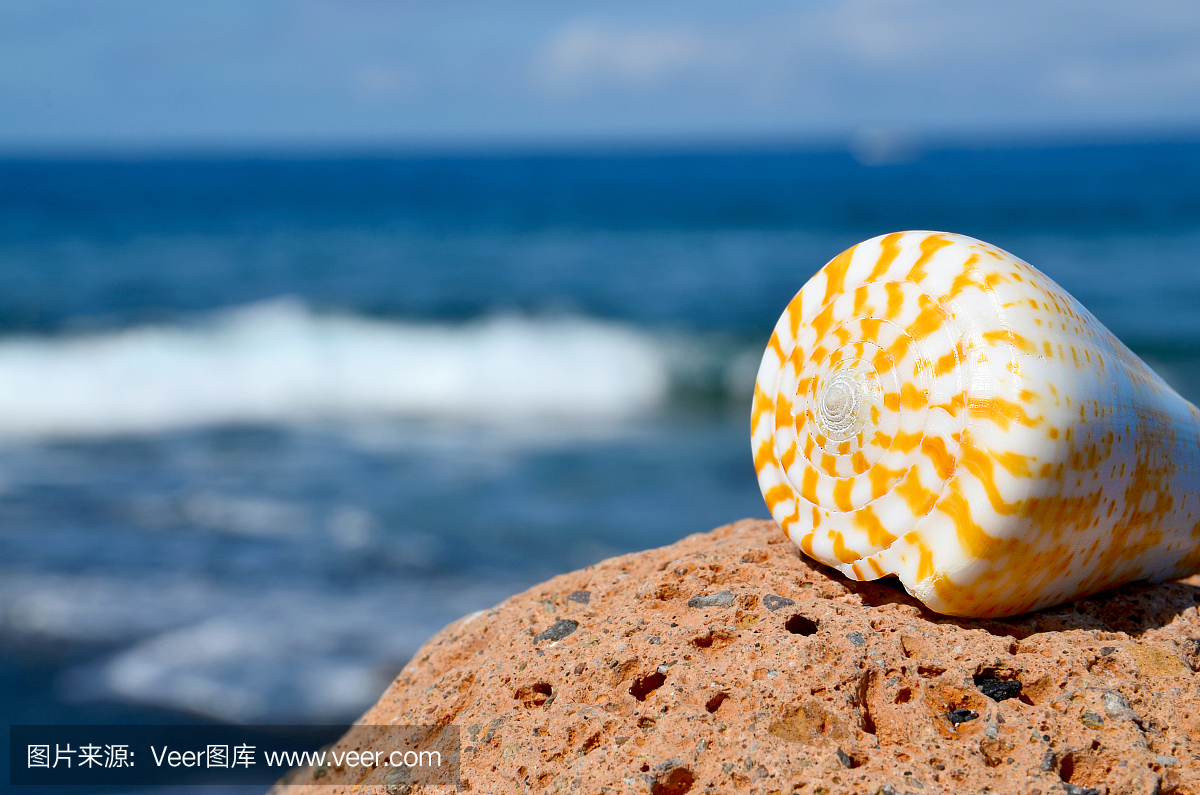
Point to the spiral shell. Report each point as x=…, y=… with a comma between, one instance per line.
x=932, y=407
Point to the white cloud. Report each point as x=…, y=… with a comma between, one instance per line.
x=587, y=55
x=927, y=66
x=380, y=81
x=878, y=30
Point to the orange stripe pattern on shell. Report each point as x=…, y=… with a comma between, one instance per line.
x=934, y=408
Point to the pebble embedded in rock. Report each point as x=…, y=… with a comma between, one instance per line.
x=557, y=631
x=582, y=597
x=997, y=689
x=773, y=602
x=1116, y=705
x=961, y=715
x=719, y=599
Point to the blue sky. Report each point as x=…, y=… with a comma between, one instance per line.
x=147, y=73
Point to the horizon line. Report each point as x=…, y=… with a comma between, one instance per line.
x=871, y=146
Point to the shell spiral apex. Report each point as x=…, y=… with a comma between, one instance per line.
x=934, y=408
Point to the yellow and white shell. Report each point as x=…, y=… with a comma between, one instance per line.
x=932, y=407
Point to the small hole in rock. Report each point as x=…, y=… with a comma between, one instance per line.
x=534, y=695
x=904, y=695
x=645, y=685
x=1067, y=767
x=714, y=703
x=645, y=768
x=590, y=744
x=799, y=625
x=868, y=721
x=677, y=782
x=704, y=641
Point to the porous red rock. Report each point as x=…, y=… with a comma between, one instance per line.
x=728, y=662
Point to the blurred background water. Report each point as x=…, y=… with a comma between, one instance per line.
x=271, y=416
x=267, y=424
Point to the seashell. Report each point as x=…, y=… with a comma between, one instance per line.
x=934, y=408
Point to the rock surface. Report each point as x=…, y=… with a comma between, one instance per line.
x=728, y=662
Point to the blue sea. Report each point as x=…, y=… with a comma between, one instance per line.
x=268, y=422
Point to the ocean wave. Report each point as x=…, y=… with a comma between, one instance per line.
x=279, y=362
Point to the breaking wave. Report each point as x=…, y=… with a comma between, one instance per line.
x=279, y=362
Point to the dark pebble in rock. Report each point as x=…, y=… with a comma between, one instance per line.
x=583, y=597
x=773, y=602
x=1074, y=790
x=719, y=599
x=961, y=715
x=844, y=758
x=998, y=689
x=856, y=638
x=888, y=789
x=558, y=630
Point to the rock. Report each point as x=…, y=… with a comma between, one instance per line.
x=728, y=662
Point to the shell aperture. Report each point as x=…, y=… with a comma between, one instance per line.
x=932, y=407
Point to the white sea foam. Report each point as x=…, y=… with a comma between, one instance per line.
x=258, y=654
x=279, y=362
x=286, y=654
